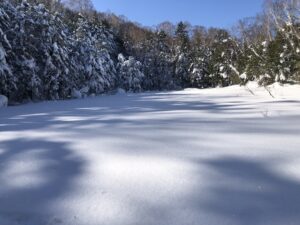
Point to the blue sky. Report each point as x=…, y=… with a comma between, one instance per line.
x=218, y=13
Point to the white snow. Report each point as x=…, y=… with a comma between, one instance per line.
x=76, y=94
x=214, y=157
x=121, y=91
x=82, y=93
x=3, y=101
x=224, y=75
x=121, y=58
x=282, y=77
x=196, y=70
x=234, y=69
x=2, y=53
x=243, y=76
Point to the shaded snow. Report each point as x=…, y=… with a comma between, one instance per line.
x=214, y=156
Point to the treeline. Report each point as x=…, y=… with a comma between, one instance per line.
x=58, y=50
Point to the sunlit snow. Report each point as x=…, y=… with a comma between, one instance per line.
x=214, y=156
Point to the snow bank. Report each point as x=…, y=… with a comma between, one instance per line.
x=3, y=101
x=276, y=90
x=285, y=90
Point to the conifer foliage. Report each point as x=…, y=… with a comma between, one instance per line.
x=52, y=50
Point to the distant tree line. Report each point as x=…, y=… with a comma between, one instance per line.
x=52, y=49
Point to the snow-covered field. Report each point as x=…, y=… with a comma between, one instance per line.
x=202, y=157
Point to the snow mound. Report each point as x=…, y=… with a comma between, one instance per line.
x=76, y=94
x=121, y=91
x=276, y=90
x=82, y=93
x=3, y=101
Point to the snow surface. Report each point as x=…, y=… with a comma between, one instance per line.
x=212, y=157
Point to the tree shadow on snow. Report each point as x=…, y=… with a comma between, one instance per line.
x=249, y=192
x=33, y=174
x=74, y=113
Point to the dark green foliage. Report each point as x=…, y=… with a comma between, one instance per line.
x=182, y=58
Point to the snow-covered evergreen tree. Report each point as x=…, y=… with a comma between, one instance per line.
x=157, y=63
x=200, y=77
x=7, y=80
x=284, y=56
x=97, y=65
x=130, y=74
x=222, y=68
x=51, y=52
x=182, y=56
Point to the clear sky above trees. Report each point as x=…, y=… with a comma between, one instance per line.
x=218, y=13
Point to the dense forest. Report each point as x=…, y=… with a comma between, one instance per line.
x=51, y=50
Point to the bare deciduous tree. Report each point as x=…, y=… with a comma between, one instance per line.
x=83, y=6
